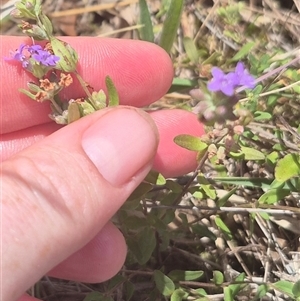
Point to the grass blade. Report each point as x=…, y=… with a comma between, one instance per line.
x=146, y=32
x=171, y=25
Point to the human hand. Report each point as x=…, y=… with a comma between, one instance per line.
x=61, y=186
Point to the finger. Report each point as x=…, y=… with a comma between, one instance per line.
x=97, y=261
x=142, y=72
x=12, y=143
x=59, y=193
x=170, y=160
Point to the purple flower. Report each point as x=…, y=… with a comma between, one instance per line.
x=245, y=79
x=19, y=56
x=42, y=56
x=225, y=83
x=37, y=52
x=45, y=58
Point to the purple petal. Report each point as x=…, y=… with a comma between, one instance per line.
x=214, y=85
x=34, y=48
x=217, y=73
x=227, y=90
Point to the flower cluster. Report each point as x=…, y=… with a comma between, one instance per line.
x=226, y=83
x=26, y=53
x=54, y=66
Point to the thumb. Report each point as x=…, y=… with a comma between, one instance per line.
x=59, y=193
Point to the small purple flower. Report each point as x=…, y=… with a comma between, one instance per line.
x=225, y=83
x=45, y=58
x=245, y=79
x=19, y=56
x=42, y=56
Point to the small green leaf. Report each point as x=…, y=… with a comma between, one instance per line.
x=258, y=116
x=284, y=286
x=178, y=295
x=146, y=32
x=73, y=112
x=128, y=290
x=287, y=167
x=261, y=291
x=228, y=294
x=155, y=178
x=163, y=283
x=68, y=56
x=142, y=245
x=252, y=154
x=223, y=200
x=218, y=277
x=179, y=84
x=140, y=191
x=273, y=195
x=223, y=227
x=243, y=52
x=191, y=50
x=111, y=92
x=181, y=275
x=190, y=142
x=235, y=288
x=296, y=289
x=171, y=25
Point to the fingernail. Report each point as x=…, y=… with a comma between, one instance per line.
x=120, y=143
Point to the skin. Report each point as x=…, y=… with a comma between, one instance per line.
x=62, y=185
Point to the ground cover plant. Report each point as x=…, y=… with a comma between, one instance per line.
x=230, y=229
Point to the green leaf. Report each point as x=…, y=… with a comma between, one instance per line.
x=142, y=245
x=146, y=32
x=181, y=275
x=228, y=294
x=140, y=191
x=261, y=292
x=129, y=290
x=243, y=52
x=163, y=283
x=111, y=92
x=178, y=295
x=235, y=288
x=252, y=154
x=287, y=167
x=273, y=195
x=179, y=84
x=218, y=277
x=283, y=286
x=223, y=200
x=258, y=116
x=190, y=142
x=296, y=289
x=223, y=227
x=171, y=25
x=73, y=112
x=155, y=178
x=68, y=56
x=203, y=231
x=191, y=50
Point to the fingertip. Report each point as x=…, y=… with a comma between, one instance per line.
x=171, y=159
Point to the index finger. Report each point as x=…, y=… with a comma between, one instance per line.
x=142, y=73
